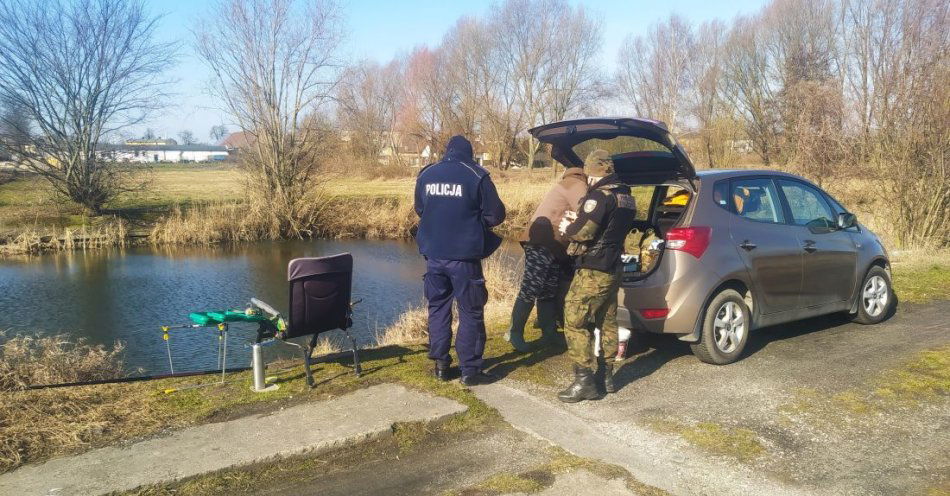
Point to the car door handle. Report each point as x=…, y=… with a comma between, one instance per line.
x=747, y=246
x=810, y=246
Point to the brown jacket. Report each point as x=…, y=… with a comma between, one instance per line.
x=564, y=196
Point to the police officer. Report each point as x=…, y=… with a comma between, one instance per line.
x=597, y=237
x=457, y=204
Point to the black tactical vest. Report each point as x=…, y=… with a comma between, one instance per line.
x=604, y=252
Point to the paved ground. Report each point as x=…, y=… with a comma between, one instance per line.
x=206, y=448
x=450, y=465
x=804, y=391
x=650, y=458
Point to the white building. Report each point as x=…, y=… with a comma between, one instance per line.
x=165, y=151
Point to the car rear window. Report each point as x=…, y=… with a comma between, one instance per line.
x=756, y=199
x=721, y=194
x=643, y=194
x=618, y=145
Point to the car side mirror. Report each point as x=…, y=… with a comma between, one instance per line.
x=846, y=220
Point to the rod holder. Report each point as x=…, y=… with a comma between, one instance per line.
x=257, y=363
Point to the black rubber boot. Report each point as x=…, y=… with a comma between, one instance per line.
x=547, y=320
x=609, y=377
x=583, y=388
x=519, y=317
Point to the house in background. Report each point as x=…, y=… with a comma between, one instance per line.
x=237, y=141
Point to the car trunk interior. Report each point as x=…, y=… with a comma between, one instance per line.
x=646, y=157
x=659, y=209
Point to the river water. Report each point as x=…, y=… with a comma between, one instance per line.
x=127, y=294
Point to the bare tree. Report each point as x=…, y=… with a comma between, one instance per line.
x=78, y=71
x=368, y=99
x=274, y=64
x=218, y=133
x=746, y=83
x=899, y=66
x=653, y=71
x=186, y=137
x=549, y=47
x=714, y=117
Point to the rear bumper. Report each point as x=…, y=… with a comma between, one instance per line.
x=681, y=284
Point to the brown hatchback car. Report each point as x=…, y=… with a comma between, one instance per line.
x=745, y=250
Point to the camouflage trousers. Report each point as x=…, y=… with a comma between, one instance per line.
x=591, y=303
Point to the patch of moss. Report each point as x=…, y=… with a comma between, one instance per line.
x=942, y=490
x=852, y=402
x=505, y=483
x=544, y=475
x=924, y=378
x=734, y=442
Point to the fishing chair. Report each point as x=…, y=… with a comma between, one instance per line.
x=320, y=290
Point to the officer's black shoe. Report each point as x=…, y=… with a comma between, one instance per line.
x=583, y=388
x=478, y=379
x=443, y=372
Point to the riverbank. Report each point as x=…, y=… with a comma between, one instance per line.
x=206, y=205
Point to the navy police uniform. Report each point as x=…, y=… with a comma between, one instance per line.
x=457, y=204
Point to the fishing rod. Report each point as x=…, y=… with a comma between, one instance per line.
x=119, y=380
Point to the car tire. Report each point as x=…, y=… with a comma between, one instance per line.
x=726, y=326
x=875, y=297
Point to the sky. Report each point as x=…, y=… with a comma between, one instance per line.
x=380, y=30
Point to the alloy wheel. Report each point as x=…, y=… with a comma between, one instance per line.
x=729, y=327
x=875, y=296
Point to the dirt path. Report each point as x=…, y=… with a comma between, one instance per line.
x=822, y=406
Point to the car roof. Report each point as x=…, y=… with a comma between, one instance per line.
x=729, y=173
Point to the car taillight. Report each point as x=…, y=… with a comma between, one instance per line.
x=692, y=240
x=654, y=313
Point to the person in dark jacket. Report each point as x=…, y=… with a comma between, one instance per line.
x=457, y=204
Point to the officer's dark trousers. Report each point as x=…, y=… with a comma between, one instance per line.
x=464, y=282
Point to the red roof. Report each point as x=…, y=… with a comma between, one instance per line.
x=240, y=139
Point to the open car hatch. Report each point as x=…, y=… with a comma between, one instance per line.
x=643, y=150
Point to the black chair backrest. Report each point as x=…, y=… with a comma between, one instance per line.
x=320, y=290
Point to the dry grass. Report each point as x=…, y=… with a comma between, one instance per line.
x=35, y=424
x=412, y=325
x=29, y=360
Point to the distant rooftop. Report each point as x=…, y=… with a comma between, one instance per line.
x=151, y=142
x=166, y=148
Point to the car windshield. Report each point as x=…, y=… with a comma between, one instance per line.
x=618, y=145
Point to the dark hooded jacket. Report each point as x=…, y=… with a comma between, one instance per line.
x=457, y=204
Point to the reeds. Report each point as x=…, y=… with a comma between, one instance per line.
x=110, y=233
